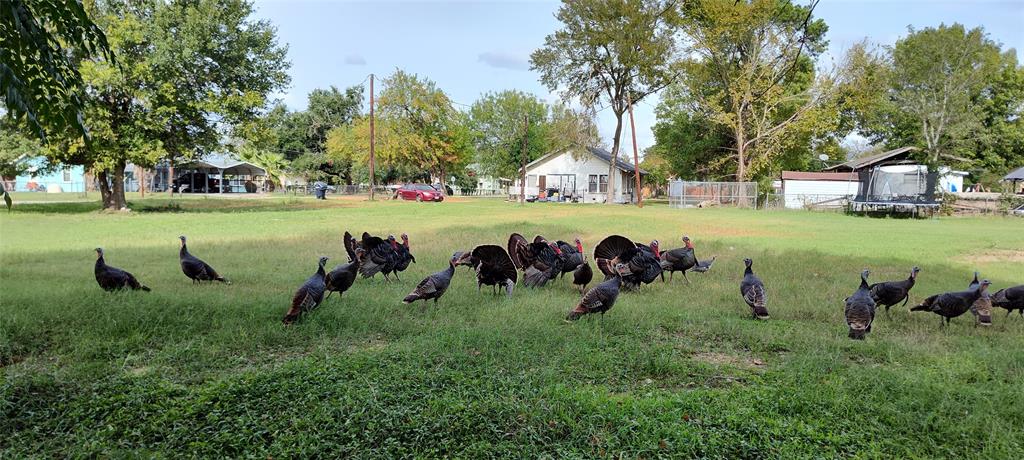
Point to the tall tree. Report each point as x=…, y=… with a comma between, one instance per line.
x=190, y=71
x=616, y=51
x=936, y=74
x=39, y=77
x=750, y=70
x=434, y=136
x=498, y=121
x=328, y=109
x=946, y=90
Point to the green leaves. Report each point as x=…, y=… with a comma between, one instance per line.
x=39, y=77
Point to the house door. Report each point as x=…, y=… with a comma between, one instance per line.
x=542, y=183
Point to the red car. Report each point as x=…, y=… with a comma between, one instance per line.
x=419, y=192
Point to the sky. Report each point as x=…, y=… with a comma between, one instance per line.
x=473, y=47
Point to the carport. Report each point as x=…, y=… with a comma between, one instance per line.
x=236, y=176
x=1014, y=178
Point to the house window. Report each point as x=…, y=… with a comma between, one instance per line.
x=67, y=174
x=597, y=183
x=531, y=180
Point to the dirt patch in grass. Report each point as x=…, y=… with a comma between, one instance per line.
x=719, y=359
x=995, y=255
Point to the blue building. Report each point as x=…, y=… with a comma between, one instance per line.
x=38, y=178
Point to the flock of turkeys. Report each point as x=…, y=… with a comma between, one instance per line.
x=624, y=264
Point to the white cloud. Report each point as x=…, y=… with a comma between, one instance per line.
x=504, y=60
x=355, y=59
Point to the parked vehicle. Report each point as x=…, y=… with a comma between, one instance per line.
x=419, y=192
x=203, y=183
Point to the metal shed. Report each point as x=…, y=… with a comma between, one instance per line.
x=1015, y=178
x=236, y=176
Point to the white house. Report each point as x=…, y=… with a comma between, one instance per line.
x=822, y=189
x=578, y=174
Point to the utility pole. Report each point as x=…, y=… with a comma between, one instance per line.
x=373, y=141
x=522, y=175
x=636, y=157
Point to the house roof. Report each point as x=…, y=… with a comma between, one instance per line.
x=1016, y=174
x=891, y=157
x=871, y=160
x=822, y=176
x=224, y=162
x=598, y=152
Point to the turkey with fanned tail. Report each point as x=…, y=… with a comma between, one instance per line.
x=381, y=255
x=493, y=267
x=540, y=261
x=642, y=261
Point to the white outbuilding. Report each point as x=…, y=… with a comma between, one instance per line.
x=578, y=174
x=818, y=189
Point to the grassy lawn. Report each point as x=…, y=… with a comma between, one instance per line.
x=674, y=370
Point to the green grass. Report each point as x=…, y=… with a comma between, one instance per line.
x=673, y=371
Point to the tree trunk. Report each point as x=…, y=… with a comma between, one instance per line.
x=117, y=200
x=170, y=177
x=105, y=194
x=612, y=169
x=741, y=155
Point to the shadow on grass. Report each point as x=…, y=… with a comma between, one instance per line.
x=205, y=205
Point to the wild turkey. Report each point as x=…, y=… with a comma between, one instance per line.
x=703, y=266
x=952, y=304
x=113, y=278
x=341, y=277
x=679, y=259
x=642, y=261
x=309, y=295
x=197, y=270
x=493, y=267
x=434, y=286
x=753, y=291
x=381, y=256
x=981, y=308
x=860, y=309
x=652, y=266
x=572, y=255
x=890, y=293
x=600, y=298
x=583, y=275
x=351, y=244
x=403, y=257
x=1011, y=299
x=540, y=261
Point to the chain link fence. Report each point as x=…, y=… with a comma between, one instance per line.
x=687, y=194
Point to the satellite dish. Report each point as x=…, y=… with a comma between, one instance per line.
x=823, y=157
